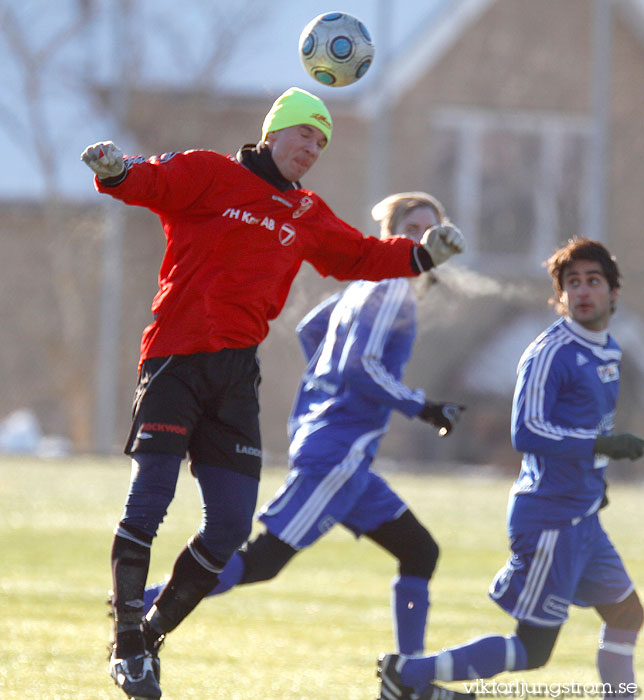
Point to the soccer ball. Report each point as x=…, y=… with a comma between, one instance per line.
x=336, y=49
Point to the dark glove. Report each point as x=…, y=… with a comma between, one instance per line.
x=441, y=415
x=619, y=446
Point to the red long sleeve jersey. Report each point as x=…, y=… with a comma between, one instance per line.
x=234, y=245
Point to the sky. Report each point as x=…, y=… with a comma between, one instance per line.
x=156, y=43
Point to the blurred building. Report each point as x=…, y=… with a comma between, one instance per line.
x=492, y=108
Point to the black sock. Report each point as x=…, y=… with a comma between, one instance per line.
x=130, y=564
x=191, y=580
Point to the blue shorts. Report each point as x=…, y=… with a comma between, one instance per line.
x=312, y=502
x=551, y=569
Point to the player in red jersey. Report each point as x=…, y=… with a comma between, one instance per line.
x=237, y=228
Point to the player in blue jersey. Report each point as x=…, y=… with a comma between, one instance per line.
x=357, y=344
x=563, y=416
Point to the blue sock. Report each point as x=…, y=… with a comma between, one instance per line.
x=482, y=657
x=615, y=658
x=409, y=607
x=230, y=575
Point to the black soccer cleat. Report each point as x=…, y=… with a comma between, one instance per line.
x=136, y=676
x=392, y=687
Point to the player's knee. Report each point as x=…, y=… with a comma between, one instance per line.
x=228, y=500
x=429, y=555
x=433, y=552
x=410, y=542
x=420, y=559
x=224, y=538
x=538, y=643
x=238, y=531
x=152, y=487
x=264, y=558
x=627, y=614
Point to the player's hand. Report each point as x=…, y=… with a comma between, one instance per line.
x=105, y=159
x=621, y=446
x=443, y=241
x=441, y=415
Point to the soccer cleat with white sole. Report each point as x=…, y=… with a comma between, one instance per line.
x=136, y=676
x=392, y=688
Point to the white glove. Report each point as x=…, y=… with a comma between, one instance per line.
x=105, y=159
x=443, y=241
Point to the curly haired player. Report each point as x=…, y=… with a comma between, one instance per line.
x=562, y=421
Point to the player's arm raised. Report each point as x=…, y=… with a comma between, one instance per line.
x=340, y=250
x=169, y=182
x=105, y=159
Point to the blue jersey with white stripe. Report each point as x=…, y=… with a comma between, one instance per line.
x=566, y=392
x=357, y=344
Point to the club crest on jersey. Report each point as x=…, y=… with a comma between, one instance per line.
x=305, y=204
x=608, y=373
x=287, y=234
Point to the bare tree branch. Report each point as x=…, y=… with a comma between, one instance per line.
x=87, y=10
x=59, y=62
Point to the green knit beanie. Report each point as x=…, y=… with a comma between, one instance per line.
x=297, y=106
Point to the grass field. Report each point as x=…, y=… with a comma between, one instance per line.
x=314, y=633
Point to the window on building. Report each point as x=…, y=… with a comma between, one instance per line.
x=516, y=183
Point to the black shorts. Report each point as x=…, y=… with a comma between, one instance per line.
x=205, y=405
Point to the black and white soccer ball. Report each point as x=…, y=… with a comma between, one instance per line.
x=336, y=49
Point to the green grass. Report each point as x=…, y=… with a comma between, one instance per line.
x=312, y=634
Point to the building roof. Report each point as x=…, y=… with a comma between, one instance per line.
x=52, y=57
